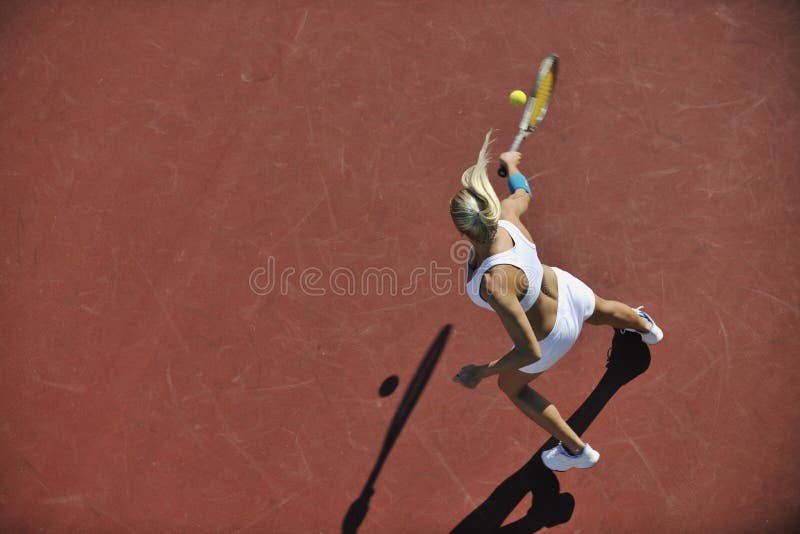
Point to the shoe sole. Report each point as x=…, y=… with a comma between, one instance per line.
x=561, y=470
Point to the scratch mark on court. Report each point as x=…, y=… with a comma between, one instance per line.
x=697, y=376
x=326, y=194
x=712, y=105
x=20, y=232
x=667, y=405
x=238, y=378
x=126, y=462
x=161, y=304
x=342, y=165
x=252, y=462
x=667, y=497
x=398, y=306
x=773, y=297
x=544, y=172
x=354, y=444
x=437, y=140
x=411, y=162
x=662, y=172
x=172, y=394
x=72, y=388
x=452, y=474
x=724, y=375
x=50, y=67
x=64, y=499
x=35, y=472
x=266, y=513
x=509, y=53
x=92, y=507
x=286, y=387
x=724, y=14
x=309, y=475
x=724, y=338
x=773, y=162
x=230, y=436
x=294, y=228
x=300, y=26
x=487, y=407
x=88, y=505
x=750, y=107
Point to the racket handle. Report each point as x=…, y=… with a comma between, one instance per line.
x=502, y=172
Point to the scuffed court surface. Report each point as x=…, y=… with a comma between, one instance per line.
x=158, y=157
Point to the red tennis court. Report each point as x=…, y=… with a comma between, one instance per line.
x=225, y=224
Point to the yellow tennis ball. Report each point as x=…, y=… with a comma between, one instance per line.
x=517, y=98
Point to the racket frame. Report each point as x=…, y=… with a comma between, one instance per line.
x=528, y=123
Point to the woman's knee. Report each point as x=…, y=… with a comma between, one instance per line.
x=512, y=383
x=506, y=385
x=603, y=311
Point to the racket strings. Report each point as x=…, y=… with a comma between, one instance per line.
x=543, y=94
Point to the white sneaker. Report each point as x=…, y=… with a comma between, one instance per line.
x=652, y=336
x=559, y=459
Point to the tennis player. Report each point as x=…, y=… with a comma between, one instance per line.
x=542, y=308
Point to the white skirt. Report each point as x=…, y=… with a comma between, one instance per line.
x=575, y=305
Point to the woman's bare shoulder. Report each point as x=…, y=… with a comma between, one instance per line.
x=513, y=219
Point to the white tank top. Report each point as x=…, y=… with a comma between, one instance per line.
x=522, y=256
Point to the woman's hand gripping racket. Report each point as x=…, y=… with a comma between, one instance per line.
x=537, y=105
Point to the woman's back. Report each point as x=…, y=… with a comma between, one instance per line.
x=512, y=258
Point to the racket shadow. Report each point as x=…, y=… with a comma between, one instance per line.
x=628, y=358
x=358, y=510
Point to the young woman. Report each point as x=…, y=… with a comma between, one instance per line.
x=542, y=308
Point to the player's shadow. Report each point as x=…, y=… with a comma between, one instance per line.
x=628, y=358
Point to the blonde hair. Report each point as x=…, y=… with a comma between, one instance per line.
x=475, y=209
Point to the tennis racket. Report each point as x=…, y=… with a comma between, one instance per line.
x=538, y=103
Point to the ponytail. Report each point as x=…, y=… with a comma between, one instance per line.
x=475, y=209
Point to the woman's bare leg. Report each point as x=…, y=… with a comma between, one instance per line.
x=617, y=315
x=538, y=409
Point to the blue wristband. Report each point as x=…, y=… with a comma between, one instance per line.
x=517, y=181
